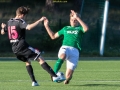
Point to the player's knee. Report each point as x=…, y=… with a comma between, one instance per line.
x=28, y=63
x=62, y=56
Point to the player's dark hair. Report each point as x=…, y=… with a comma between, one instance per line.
x=22, y=10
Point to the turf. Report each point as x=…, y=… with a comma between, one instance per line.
x=89, y=75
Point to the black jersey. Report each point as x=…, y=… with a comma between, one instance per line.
x=16, y=33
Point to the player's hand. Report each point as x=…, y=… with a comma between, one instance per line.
x=74, y=14
x=3, y=25
x=46, y=22
x=42, y=19
x=2, y=30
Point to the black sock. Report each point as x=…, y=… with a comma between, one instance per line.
x=46, y=67
x=30, y=72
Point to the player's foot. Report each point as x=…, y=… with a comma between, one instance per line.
x=35, y=84
x=66, y=81
x=58, y=79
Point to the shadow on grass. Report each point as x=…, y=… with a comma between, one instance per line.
x=92, y=85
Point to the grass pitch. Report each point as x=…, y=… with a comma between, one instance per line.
x=89, y=75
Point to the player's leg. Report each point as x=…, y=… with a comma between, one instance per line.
x=58, y=64
x=72, y=62
x=28, y=68
x=36, y=55
x=68, y=75
x=46, y=67
x=31, y=73
x=62, y=57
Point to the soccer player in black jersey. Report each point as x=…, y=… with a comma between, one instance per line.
x=16, y=28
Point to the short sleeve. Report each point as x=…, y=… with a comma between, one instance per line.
x=23, y=24
x=61, y=32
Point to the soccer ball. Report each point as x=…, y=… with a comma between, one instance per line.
x=61, y=75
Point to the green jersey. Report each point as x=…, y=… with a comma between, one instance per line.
x=72, y=36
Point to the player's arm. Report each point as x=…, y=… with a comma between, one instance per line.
x=30, y=26
x=50, y=32
x=85, y=27
x=3, y=28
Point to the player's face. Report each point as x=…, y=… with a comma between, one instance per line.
x=73, y=22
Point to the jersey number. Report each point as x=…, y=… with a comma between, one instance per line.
x=12, y=33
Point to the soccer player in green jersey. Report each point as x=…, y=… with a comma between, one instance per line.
x=71, y=45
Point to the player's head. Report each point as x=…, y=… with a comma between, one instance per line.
x=22, y=11
x=73, y=21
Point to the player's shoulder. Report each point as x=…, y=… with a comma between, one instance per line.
x=21, y=20
x=17, y=20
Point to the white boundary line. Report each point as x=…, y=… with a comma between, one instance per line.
x=72, y=81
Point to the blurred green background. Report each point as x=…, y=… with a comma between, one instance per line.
x=57, y=11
